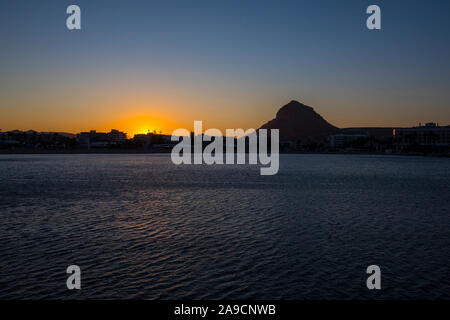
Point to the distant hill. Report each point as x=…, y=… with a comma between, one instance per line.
x=297, y=121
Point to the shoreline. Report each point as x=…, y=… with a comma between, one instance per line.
x=167, y=151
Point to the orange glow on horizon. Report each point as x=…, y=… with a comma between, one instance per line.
x=143, y=124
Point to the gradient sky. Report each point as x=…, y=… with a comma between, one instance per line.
x=139, y=65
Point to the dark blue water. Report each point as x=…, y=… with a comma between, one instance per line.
x=140, y=227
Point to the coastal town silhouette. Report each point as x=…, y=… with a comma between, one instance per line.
x=301, y=130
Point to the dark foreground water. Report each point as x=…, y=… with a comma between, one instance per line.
x=140, y=227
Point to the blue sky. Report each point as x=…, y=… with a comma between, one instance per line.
x=229, y=63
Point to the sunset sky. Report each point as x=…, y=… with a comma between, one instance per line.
x=145, y=65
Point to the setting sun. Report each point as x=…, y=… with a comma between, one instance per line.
x=142, y=125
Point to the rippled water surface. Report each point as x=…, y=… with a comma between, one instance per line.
x=141, y=227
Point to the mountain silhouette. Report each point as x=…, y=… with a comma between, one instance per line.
x=297, y=121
